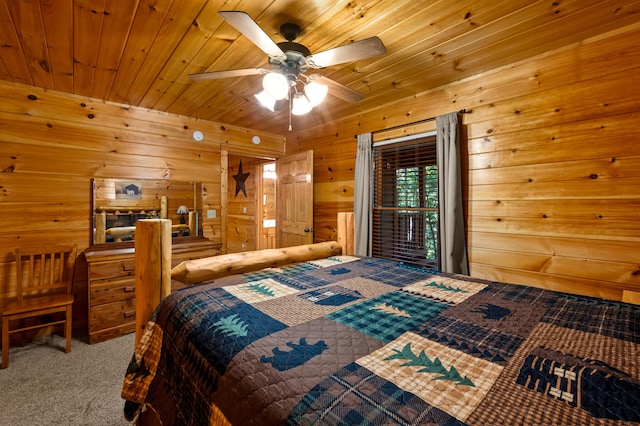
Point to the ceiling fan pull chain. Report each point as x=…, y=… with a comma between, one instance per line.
x=290, y=100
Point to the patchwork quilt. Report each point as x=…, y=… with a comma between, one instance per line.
x=363, y=341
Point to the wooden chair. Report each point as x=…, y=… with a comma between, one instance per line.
x=44, y=276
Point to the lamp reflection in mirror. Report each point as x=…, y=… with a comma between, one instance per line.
x=182, y=210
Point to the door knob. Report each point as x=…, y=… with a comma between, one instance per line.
x=309, y=229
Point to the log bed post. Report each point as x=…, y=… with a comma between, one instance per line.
x=192, y=224
x=101, y=227
x=164, y=207
x=345, y=232
x=152, y=268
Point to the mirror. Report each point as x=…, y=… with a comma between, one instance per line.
x=118, y=203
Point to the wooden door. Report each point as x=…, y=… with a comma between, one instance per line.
x=294, y=195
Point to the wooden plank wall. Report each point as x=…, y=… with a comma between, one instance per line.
x=551, y=160
x=245, y=212
x=52, y=144
x=241, y=208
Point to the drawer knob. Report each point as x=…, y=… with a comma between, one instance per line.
x=129, y=314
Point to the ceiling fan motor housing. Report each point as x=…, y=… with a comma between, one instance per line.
x=296, y=61
x=290, y=31
x=296, y=53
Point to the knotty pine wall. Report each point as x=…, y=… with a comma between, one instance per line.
x=551, y=165
x=245, y=212
x=241, y=208
x=53, y=144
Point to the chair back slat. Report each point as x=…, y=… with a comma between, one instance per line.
x=44, y=270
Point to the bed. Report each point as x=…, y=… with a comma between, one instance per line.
x=357, y=340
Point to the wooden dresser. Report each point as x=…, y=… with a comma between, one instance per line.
x=111, y=283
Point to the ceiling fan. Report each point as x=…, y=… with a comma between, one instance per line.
x=290, y=61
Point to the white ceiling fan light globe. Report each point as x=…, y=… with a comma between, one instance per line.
x=301, y=104
x=316, y=92
x=276, y=85
x=266, y=100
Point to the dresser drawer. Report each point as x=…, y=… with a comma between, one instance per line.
x=112, y=314
x=111, y=291
x=112, y=270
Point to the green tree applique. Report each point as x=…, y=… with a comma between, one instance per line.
x=391, y=310
x=445, y=287
x=232, y=326
x=429, y=366
x=261, y=289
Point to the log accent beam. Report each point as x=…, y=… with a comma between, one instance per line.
x=209, y=268
x=152, y=268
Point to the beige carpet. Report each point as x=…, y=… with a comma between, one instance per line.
x=43, y=385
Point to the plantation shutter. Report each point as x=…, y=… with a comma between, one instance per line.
x=405, y=201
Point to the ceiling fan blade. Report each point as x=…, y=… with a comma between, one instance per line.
x=247, y=26
x=363, y=49
x=215, y=75
x=339, y=90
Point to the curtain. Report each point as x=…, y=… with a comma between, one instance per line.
x=362, y=208
x=453, y=246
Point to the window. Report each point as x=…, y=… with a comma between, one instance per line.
x=405, y=201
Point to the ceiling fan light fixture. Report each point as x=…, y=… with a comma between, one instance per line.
x=290, y=61
x=301, y=104
x=316, y=92
x=266, y=100
x=275, y=85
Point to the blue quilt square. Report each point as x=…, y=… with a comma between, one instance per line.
x=302, y=281
x=389, y=315
x=274, y=273
x=356, y=396
x=598, y=316
x=221, y=334
x=482, y=342
x=399, y=275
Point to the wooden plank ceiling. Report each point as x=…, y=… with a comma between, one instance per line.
x=140, y=52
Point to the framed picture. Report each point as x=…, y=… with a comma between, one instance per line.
x=129, y=191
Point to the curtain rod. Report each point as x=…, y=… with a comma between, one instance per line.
x=462, y=111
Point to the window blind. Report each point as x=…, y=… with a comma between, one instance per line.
x=405, y=202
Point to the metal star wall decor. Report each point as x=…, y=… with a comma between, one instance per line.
x=240, y=180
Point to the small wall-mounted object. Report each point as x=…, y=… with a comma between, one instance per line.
x=211, y=214
x=240, y=179
x=198, y=136
x=255, y=140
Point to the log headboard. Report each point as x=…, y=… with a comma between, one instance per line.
x=154, y=275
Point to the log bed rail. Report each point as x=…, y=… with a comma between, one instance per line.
x=209, y=268
x=154, y=274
